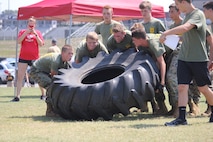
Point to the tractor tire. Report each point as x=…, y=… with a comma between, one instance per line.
x=105, y=85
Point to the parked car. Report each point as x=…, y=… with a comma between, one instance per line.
x=12, y=61
x=5, y=69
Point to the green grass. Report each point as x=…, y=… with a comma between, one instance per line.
x=26, y=121
x=8, y=47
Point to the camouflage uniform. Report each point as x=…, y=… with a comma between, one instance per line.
x=40, y=72
x=42, y=78
x=172, y=85
x=171, y=78
x=41, y=69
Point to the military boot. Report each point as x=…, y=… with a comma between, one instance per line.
x=174, y=111
x=193, y=108
x=162, y=108
x=50, y=112
x=208, y=111
x=144, y=108
x=155, y=107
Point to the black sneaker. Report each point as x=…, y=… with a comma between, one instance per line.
x=16, y=99
x=211, y=118
x=176, y=122
x=43, y=97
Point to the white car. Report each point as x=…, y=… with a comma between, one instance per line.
x=5, y=69
x=12, y=61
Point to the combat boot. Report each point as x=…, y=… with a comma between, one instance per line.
x=193, y=108
x=144, y=108
x=208, y=111
x=174, y=111
x=50, y=112
x=162, y=108
x=155, y=107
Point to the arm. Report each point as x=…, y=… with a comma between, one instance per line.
x=110, y=47
x=162, y=66
x=210, y=42
x=77, y=56
x=97, y=28
x=176, y=31
x=103, y=48
x=161, y=27
x=38, y=37
x=52, y=73
x=22, y=36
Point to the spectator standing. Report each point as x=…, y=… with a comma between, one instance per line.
x=54, y=48
x=151, y=24
x=104, y=28
x=30, y=40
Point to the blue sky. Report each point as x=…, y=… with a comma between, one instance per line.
x=15, y=4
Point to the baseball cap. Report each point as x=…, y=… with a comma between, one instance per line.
x=54, y=40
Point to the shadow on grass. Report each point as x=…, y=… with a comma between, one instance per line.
x=116, y=118
x=134, y=116
x=22, y=98
x=41, y=118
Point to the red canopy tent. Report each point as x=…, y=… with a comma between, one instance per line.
x=85, y=10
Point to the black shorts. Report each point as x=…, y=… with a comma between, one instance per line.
x=29, y=62
x=187, y=71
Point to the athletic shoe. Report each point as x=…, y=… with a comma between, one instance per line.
x=16, y=99
x=176, y=122
x=43, y=97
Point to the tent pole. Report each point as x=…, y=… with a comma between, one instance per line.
x=16, y=64
x=68, y=39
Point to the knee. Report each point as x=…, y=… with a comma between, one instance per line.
x=183, y=88
x=203, y=89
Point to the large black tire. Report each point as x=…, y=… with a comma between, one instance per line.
x=105, y=85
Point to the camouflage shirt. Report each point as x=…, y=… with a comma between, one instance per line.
x=50, y=62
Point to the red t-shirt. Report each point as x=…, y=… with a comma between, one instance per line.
x=29, y=46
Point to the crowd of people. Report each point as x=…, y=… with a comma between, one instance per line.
x=184, y=72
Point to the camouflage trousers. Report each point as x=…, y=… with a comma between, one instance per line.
x=42, y=78
x=172, y=83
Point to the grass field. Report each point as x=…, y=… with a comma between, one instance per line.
x=8, y=48
x=26, y=121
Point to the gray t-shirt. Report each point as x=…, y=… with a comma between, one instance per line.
x=83, y=51
x=123, y=45
x=50, y=62
x=193, y=48
x=155, y=47
x=105, y=30
x=154, y=26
